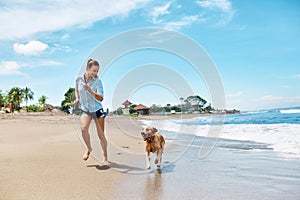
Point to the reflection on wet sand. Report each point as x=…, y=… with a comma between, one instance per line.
x=153, y=188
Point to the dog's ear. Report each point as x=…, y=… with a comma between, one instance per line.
x=154, y=130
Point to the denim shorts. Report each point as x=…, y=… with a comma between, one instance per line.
x=95, y=115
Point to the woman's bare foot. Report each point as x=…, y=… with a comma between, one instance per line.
x=86, y=155
x=105, y=162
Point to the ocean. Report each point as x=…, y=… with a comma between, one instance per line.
x=276, y=130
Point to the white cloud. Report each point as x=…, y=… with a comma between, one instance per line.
x=234, y=95
x=185, y=21
x=175, y=16
x=223, y=5
x=159, y=11
x=271, y=101
x=233, y=104
x=297, y=75
x=31, y=48
x=172, y=15
x=270, y=98
x=58, y=47
x=20, y=19
x=14, y=68
x=10, y=68
x=43, y=63
x=222, y=9
x=65, y=36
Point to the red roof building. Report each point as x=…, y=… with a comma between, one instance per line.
x=141, y=109
x=126, y=104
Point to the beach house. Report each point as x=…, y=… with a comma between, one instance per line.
x=126, y=107
x=141, y=109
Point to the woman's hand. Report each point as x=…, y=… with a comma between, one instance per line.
x=96, y=95
x=87, y=87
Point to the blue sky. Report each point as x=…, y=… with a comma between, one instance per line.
x=254, y=45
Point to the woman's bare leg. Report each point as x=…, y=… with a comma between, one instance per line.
x=85, y=121
x=100, y=130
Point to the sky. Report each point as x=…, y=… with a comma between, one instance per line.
x=254, y=47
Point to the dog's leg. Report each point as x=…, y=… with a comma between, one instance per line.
x=148, y=160
x=158, y=158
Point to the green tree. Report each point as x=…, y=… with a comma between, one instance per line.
x=118, y=111
x=131, y=108
x=176, y=108
x=208, y=108
x=28, y=95
x=196, y=101
x=42, y=101
x=156, y=109
x=66, y=104
x=14, y=97
x=35, y=108
x=2, y=99
x=167, y=108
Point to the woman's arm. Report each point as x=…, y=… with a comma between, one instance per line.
x=94, y=94
x=76, y=101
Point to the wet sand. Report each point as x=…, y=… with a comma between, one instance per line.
x=41, y=158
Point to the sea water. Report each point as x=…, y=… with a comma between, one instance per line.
x=275, y=130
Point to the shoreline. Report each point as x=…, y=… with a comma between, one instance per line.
x=41, y=158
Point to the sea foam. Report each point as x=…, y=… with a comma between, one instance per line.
x=290, y=111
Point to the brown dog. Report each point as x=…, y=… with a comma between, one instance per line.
x=154, y=142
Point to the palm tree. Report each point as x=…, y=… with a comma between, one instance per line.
x=28, y=95
x=14, y=97
x=42, y=101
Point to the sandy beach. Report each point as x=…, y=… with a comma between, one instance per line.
x=41, y=158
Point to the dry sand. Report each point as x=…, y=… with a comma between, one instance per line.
x=41, y=158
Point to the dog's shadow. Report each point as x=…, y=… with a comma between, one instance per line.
x=166, y=168
x=123, y=168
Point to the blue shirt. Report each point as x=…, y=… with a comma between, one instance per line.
x=87, y=102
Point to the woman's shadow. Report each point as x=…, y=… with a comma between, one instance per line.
x=123, y=168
